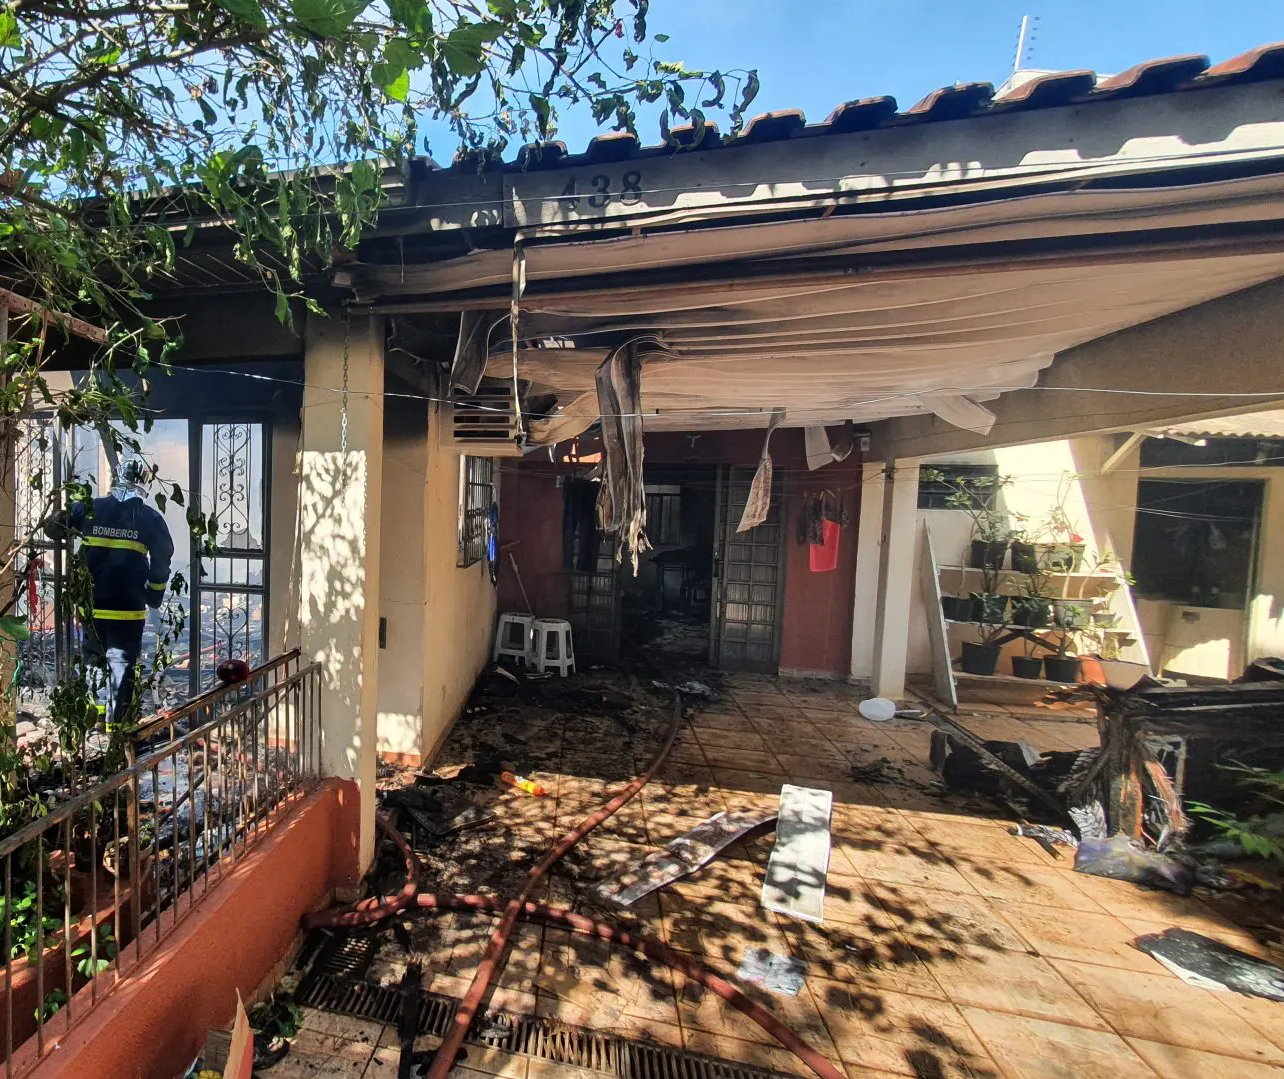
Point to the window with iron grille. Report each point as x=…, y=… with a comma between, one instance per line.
x=476, y=493
x=979, y=480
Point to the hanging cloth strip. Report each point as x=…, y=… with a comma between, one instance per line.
x=758, y=504
x=621, y=500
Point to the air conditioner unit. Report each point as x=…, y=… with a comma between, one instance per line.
x=484, y=423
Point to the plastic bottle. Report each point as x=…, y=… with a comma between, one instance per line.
x=523, y=784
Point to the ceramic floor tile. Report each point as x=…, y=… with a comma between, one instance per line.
x=1026, y=1048
x=1033, y=885
x=947, y=923
x=863, y=959
x=715, y=740
x=755, y=1054
x=902, y=1034
x=1087, y=938
x=724, y=758
x=1175, y=1062
x=1159, y=1007
x=917, y=864
x=1125, y=900
x=1017, y=983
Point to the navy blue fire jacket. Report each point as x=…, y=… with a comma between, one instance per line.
x=127, y=549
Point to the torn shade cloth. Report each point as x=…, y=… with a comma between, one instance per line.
x=681, y=857
x=758, y=504
x=779, y=974
x=1210, y=964
x=621, y=500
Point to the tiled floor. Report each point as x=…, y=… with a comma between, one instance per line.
x=949, y=947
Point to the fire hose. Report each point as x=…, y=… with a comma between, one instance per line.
x=375, y=909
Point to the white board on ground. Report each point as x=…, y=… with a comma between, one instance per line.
x=799, y=864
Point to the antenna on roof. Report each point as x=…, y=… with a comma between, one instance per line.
x=1025, y=41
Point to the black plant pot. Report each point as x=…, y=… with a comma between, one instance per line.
x=987, y=555
x=1031, y=611
x=1062, y=668
x=979, y=658
x=990, y=608
x=958, y=608
x=1027, y=666
x=1024, y=560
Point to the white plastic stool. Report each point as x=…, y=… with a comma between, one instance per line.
x=517, y=645
x=551, y=645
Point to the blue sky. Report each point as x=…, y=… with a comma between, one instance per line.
x=815, y=54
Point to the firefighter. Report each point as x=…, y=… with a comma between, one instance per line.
x=127, y=549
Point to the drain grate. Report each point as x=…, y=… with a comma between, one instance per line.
x=527, y=1035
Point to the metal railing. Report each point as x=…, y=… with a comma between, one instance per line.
x=207, y=705
x=165, y=830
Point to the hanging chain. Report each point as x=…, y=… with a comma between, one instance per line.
x=343, y=408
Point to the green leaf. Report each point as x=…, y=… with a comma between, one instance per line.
x=176, y=495
x=282, y=307
x=661, y=38
x=248, y=11
x=327, y=18
x=10, y=38
x=464, y=47
x=412, y=15
x=400, y=52
x=393, y=81
x=14, y=628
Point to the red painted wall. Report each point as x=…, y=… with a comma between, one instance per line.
x=154, y=1023
x=816, y=628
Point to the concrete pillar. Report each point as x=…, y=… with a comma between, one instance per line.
x=340, y=505
x=869, y=545
x=895, y=579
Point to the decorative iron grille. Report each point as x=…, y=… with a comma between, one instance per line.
x=476, y=493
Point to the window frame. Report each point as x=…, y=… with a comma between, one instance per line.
x=476, y=493
x=932, y=494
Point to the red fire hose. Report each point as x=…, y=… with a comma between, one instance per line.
x=372, y=910
x=445, y=1057
x=653, y=949
x=376, y=908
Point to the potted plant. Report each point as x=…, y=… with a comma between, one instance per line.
x=1033, y=607
x=1025, y=555
x=982, y=657
x=1062, y=667
x=977, y=498
x=1029, y=665
x=1069, y=613
x=1064, y=552
x=958, y=608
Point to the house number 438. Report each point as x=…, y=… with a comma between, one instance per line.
x=601, y=189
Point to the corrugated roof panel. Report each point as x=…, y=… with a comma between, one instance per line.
x=1249, y=425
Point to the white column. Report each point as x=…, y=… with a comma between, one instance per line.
x=340, y=503
x=896, y=579
x=869, y=545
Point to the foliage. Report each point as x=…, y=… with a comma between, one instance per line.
x=128, y=124
x=51, y=1005
x=276, y=1017
x=130, y=129
x=86, y=962
x=1249, y=832
x=977, y=497
x=22, y=917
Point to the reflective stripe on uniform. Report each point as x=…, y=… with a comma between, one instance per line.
x=115, y=544
x=158, y=586
x=120, y=616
